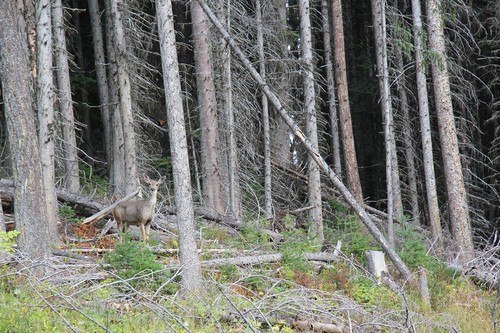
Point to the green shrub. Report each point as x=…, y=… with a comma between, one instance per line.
x=8, y=240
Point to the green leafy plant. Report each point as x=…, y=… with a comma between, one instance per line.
x=8, y=240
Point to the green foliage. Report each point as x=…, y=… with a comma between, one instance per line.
x=366, y=292
x=412, y=249
x=8, y=240
x=67, y=213
x=297, y=242
x=404, y=38
x=133, y=259
x=353, y=239
x=91, y=182
x=228, y=272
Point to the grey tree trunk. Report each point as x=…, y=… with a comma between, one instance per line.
x=268, y=198
x=67, y=119
x=455, y=187
x=125, y=97
x=210, y=156
x=349, y=149
x=425, y=128
x=45, y=106
x=314, y=175
x=332, y=108
x=191, y=272
x=312, y=151
x=117, y=145
x=394, y=201
x=100, y=68
x=31, y=209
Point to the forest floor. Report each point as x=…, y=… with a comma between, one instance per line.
x=251, y=283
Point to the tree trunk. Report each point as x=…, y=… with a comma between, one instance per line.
x=31, y=209
x=314, y=184
x=117, y=146
x=268, y=198
x=332, y=108
x=425, y=129
x=189, y=260
x=101, y=77
x=394, y=204
x=348, y=196
x=455, y=187
x=210, y=159
x=349, y=149
x=69, y=148
x=125, y=97
x=45, y=106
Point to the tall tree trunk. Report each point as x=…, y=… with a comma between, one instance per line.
x=125, y=102
x=117, y=145
x=101, y=77
x=209, y=141
x=189, y=260
x=31, y=209
x=312, y=151
x=314, y=175
x=394, y=201
x=233, y=178
x=332, y=108
x=69, y=148
x=268, y=198
x=349, y=149
x=455, y=187
x=45, y=106
x=425, y=129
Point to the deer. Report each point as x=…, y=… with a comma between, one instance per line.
x=138, y=212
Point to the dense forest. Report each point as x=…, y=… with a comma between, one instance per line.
x=303, y=119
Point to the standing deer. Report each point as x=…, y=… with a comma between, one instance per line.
x=138, y=212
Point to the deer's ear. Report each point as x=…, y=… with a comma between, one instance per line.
x=161, y=180
x=145, y=178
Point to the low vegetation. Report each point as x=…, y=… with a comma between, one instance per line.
x=134, y=288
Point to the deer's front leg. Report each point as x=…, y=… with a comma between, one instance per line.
x=142, y=229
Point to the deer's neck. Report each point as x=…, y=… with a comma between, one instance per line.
x=152, y=199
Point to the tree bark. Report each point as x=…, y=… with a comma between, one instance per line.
x=67, y=119
x=314, y=184
x=344, y=191
x=210, y=157
x=125, y=97
x=455, y=187
x=45, y=106
x=425, y=128
x=349, y=149
x=332, y=108
x=31, y=209
x=189, y=260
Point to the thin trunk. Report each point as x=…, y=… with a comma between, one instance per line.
x=455, y=187
x=209, y=140
x=31, y=209
x=189, y=260
x=45, y=106
x=312, y=151
x=332, y=108
x=268, y=198
x=125, y=101
x=100, y=68
x=69, y=148
x=314, y=184
x=425, y=129
x=349, y=149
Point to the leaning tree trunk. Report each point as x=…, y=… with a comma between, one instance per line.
x=349, y=149
x=45, y=106
x=125, y=96
x=314, y=175
x=30, y=209
x=425, y=129
x=210, y=157
x=189, y=260
x=67, y=119
x=312, y=151
x=455, y=186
